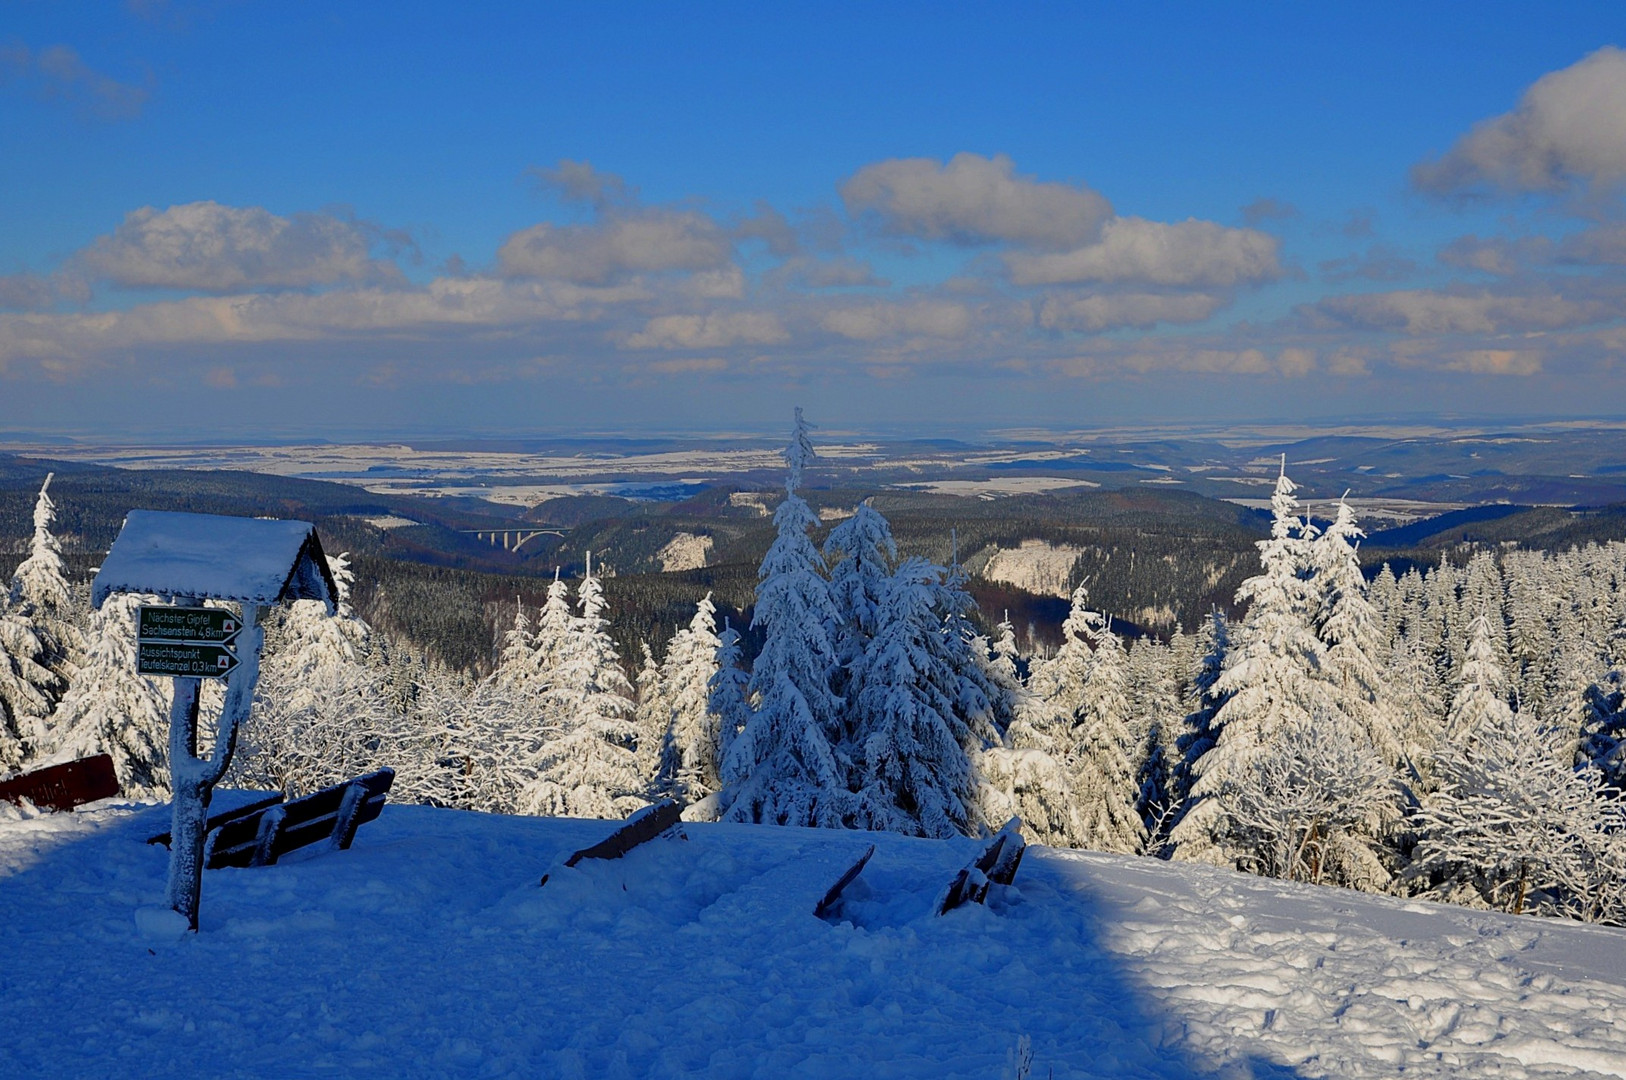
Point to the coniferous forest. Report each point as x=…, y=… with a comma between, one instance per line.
x=1452, y=731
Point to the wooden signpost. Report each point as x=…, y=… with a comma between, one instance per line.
x=190, y=558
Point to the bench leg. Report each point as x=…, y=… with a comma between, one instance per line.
x=265, y=841
x=344, y=823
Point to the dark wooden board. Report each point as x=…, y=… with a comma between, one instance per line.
x=263, y=837
x=643, y=826
x=833, y=896
x=63, y=787
x=263, y=802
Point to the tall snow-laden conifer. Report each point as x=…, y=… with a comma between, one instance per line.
x=860, y=552
x=689, y=763
x=653, y=719
x=588, y=767
x=1104, y=783
x=38, y=638
x=1352, y=632
x=787, y=766
x=917, y=747
x=516, y=663
x=1272, y=679
x=1481, y=696
x=1156, y=723
x=111, y=710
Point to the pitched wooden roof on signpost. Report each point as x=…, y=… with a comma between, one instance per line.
x=246, y=560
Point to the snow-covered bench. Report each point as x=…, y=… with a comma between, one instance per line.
x=640, y=827
x=996, y=865
x=260, y=836
x=63, y=787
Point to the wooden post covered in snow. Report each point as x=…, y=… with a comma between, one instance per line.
x=189, y=559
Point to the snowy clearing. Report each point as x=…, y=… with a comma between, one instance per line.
x=1037, y=566
x=428, y=949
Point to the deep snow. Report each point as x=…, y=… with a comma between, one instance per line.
x=429, y=950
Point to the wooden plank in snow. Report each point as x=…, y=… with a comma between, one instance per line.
x=970, y=885
x=832, y=897
x=644, y=825
x=63, y=787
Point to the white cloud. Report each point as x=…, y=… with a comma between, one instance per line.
x=1430, y=311
x=714, y=331
x=929, y=318
x=837, y=273
x=208, y=247
x=1568, y=127
x=456, y=305
x=1132, y=249
x=1108, y=311
x=649, y=241
x=974, y=200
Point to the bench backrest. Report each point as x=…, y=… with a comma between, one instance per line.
x=63, y=787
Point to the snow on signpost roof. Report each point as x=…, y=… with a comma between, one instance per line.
x=248, y=560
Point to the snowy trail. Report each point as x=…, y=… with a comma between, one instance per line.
x=429, y=949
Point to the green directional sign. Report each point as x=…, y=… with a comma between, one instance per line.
x=184, y=660
x=200, y=624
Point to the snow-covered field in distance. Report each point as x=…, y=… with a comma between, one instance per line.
x=429, y=950
x=1404, y=468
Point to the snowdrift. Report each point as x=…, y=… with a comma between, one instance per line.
x=429, y=950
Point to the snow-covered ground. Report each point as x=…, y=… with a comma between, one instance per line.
x=429, y=950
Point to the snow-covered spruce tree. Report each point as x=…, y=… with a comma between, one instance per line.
x=111, y=710
x=1033, y=770
x=861, y=553
x=37, y=635
x=689, y=763
x=1156, y=713
x=917, y=774
x=1272, y=678
x=1104, y=783
x=555, y=631
x=1481, y=696
x=653, y=719
x=590, y=767
x=1352, y=631
x=1198, y=731
x=1515, y=826
x=728, y=697
x=516, y=665
x=1056, y=686
x=788, y=765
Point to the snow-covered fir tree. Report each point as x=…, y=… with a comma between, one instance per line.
x=1156, y=715
x=917, y=773
x=690, y=761
x=1104, y=783
x=785, y=766
x=588, y=766
x=38, y=637
x=861, y=553
x=111, y=710
x=1272, y=680
x=653, y=719
x=1352, y=632
x=1481, y=696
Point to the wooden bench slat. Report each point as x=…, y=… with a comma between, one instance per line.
x=218, y=819
x=644, y=825
x=65, y=786
x=301, y=822
x=833, y=895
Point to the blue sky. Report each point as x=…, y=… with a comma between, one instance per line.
x=376, y=218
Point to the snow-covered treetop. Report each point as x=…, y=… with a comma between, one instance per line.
x=800, y=453
x=41, y=580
